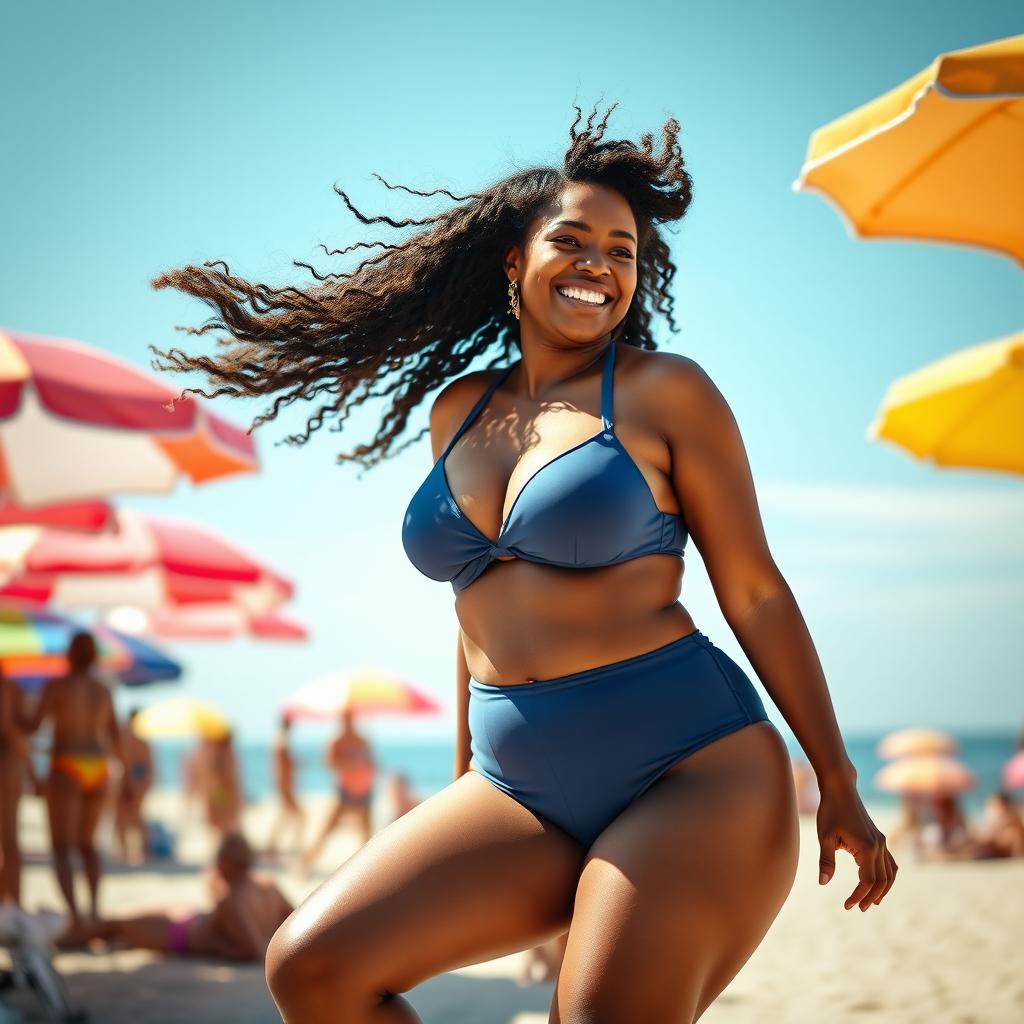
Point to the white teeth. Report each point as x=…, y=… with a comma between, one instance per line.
x=584, y=295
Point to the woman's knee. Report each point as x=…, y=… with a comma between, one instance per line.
x=302, y=959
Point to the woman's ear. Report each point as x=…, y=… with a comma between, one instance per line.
x=512, y=261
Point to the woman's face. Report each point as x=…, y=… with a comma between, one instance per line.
x=577, y=266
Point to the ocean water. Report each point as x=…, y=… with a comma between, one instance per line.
x=429, y=764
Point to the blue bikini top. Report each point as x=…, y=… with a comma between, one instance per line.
x=589, y=506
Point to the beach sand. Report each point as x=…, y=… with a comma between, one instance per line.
x=945, y=946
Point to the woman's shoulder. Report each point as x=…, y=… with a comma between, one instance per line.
x=670, y=381
x=454, y=401
x=464, y=390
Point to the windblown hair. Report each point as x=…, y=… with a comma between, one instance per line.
x=419, y=313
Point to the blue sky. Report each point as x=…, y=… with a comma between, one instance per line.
x=137, y=142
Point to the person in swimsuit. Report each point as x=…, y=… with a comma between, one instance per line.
x=247, y=911
x=220, y=784
x=618, y=779
x=350, y=758
x=131, y=791
x=290, y=815
x=85, y=734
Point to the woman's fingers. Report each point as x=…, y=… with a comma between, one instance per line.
x=877, y=873
x=893, y=868
x=865, y=870
x=881, y=877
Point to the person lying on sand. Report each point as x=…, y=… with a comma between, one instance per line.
x=247, y=913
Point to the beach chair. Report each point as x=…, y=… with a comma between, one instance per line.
x=32, y=966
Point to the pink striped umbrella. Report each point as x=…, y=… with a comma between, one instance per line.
x=149, y=562
x=76, y=422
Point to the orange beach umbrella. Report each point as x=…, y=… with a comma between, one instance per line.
x=932, y=774
x=916, y=741
x=938, y=158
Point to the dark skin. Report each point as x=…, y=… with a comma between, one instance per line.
x=701, y=863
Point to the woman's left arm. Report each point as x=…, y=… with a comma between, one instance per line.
x=712, y=480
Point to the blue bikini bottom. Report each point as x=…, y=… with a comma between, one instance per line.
x=578, y=749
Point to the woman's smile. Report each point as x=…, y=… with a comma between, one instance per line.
x=584, y=297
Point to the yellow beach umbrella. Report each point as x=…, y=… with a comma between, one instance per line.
x=931, y=774
x=916, y=741
x=966, y=409
x=937, y=158
x=181, y=716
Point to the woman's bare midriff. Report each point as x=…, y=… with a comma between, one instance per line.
x=523, y=622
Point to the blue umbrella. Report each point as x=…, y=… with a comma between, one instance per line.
x=33, y=642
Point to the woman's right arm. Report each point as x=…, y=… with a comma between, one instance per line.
x=462, y=752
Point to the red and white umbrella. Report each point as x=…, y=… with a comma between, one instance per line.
x=150, y=562
x=210, y=622
x=76, y=422
x=87, y=516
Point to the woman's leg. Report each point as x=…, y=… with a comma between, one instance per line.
x=63, y=810
x=467, y=875
x=681, y=887
x=91, y=809
x=10, y=852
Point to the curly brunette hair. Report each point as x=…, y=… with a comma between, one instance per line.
x=419, y=313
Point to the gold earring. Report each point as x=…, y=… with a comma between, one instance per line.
x=513, y=295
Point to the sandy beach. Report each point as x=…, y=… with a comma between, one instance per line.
x=945, y=946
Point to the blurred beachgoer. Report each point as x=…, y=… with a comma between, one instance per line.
x=290, y=815
x=220, y=784
x=191, y=783
x=247, y=911
x=128, y=821
x=806, y=785
x=85, y=734
x=350, y=758
x=1002, y=831
x=400, y=798
x=15, y=763
x=912, y=819
x=947, y=836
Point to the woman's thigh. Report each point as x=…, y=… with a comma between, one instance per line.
x=679, y=890
x=467, y=875
x=63, y=807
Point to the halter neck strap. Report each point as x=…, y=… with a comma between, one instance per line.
x=607, y=387
x=480, y=403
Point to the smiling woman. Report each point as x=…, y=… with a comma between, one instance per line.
x=617, y=777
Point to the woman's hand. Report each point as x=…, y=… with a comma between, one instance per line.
x=843, y=823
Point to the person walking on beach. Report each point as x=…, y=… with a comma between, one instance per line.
x=219, y=782
x=129, y=824
x=618, y=778
x=290, y=816
x=85, y=734
x=350, y=758
x=15, y=764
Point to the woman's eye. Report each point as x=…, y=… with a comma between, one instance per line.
x=624, y=252
x=567, y=238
